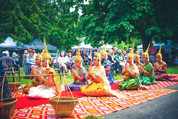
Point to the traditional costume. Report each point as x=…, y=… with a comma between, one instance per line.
x=146, y=79
x=101, y=88
x=46, y=91
x=106, y=63
x=34, y=71
x=79, y=72
x=160, y=69
x=130, y=82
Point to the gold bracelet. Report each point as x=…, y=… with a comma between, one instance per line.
x=42, y=78
x=76, y=75
x=144, y=71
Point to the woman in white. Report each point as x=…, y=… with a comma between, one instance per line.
x=63, y=61
x=51, y=86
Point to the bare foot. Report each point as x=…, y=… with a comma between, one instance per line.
x=142, y=87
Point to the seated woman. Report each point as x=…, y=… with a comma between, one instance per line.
x=160, y=69
x=51, y=86
x=99, y=85
x=63, y=60
x=139, y=66
x=131, y=74
x=35, y=69
x=147, y=75
x=108, y=66
x=79, y=74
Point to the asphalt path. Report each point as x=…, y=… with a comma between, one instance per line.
x=165, y=107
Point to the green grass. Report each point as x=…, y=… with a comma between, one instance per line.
x=69, y=78
x=172, y=70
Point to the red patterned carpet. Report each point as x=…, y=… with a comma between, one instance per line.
x=91, y=105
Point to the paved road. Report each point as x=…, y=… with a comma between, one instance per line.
x=165, y=107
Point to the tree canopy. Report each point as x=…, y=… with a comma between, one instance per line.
x=26, y=20
x=124, y=20
x=102, y=21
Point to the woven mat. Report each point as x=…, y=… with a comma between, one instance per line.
x=95, y=105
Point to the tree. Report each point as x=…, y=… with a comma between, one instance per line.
x=115, y=21
x=26, y=20
x=166, y=17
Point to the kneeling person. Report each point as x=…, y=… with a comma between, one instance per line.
x=79, y=74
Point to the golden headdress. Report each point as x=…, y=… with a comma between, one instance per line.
x=146, y=52
x=159, y=53
x=78, y=57
x=45, y=54
x=131, y=54
x=137, y=55
x=39, y=56
x=103, y=51
x=98, y=56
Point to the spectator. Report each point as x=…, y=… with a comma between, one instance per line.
x=152, y=52
x=124, y=53
x=125, y=49
x=115, y=64
x=30, y=61
x=63, y=61
x=85, y=57
x=25, y=65
x=1, y=53
x=71, y=64
x=114, y=48
x=176, y=61
x=93, y=54
x=120, y=58
x=34, y=53
x=4, y=53
x=7, y=52
x=152, y=49
x=58, y=53
x=56, y=62
x=128, y=50
x=16, y=57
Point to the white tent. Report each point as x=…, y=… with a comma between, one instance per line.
x=10, y=43
x=83, y=46
x=109, y=47
x=38, y=44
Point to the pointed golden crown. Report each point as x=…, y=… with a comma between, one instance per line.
x=103, y=51
x=159, y=53
x=45, y=54
x=78, y=57
x=131, y=54
x=146, y=52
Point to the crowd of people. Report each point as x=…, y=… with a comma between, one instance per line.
x=138, y=71
x=100, y=76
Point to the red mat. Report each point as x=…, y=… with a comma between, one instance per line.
x=88, y=106
x=27, y=102
x=24, y=101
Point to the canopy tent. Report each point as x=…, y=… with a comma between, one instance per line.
x=167, y=46
x=83, y=46
x=38, y=44
x=10, y=43
x=109, y=47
